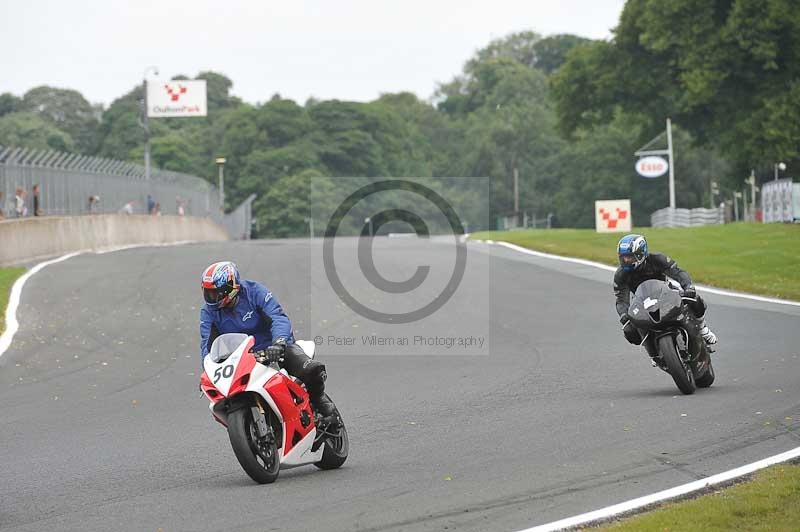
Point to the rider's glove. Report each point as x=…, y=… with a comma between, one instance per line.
x=690, y=292
x=275, y=353
x=623, y=318
x=270, y=355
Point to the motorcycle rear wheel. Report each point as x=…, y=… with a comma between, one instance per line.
x=681, y=373
x=258, y=458
x=336, y=448
x=707, y=379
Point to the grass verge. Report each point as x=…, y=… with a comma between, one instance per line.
x=757, y=258
x=769, y=502
x=7, y=278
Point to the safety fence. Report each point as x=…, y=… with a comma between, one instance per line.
x=73, y=184
x=239, y=222
x=523, y=220
x=686, y=217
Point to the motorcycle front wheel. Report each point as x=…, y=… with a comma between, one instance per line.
x=258, y=457
x=681, y=373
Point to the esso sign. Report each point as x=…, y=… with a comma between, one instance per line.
x=651, y=166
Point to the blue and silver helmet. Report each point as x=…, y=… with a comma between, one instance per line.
x=632, y=251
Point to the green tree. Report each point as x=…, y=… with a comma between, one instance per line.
x=727, y=71
x=551, y=52
x=9, y=103
x=283, y=210
x=284, y=121
x=120, y=132
x=30, y=130
x=69, y=111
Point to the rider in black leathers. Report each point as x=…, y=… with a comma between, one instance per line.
x=637, y=265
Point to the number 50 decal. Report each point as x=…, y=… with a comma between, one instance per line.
x=225, y=371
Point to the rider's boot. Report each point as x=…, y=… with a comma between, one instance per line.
x=707, y=334
x=323, y=406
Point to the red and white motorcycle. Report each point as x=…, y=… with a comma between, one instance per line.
x=267, y=412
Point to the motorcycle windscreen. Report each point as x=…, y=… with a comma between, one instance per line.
x=225, y=344
x=654, y=302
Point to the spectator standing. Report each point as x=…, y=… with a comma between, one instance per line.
x=151, y=204
x=36, y=210
x=127, y=208
x=2, y=212
x=19, y=208
x=93, y=201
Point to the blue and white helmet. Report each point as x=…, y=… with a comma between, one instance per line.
x=632, y=251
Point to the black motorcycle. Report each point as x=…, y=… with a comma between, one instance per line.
x=662, y=315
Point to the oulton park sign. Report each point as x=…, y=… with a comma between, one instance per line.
x=176, y=98
x=652, y=166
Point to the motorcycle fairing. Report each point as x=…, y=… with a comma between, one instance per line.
x=654, y=303
x=287, y=399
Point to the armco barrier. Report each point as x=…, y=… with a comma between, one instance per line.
x=686, y=217
x=29, y=239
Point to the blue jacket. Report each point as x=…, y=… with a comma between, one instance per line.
x=257, y=313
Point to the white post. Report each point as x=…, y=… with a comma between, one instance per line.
x=516, y=194
x=221, y=188
x=671, y=166
x=146, y=135
x=220, y=165
x=745, y=211
x=145, y=123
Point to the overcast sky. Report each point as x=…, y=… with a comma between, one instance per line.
x=345, y=49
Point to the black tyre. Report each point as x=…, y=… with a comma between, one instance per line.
x=337, y=445
x=707, y=379
x=681, y=373
x=258, y=458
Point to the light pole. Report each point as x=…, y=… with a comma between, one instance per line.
x=669, y=152
x=753, y=189
x=714, y=192
x=779, y=166
x=144, y=123
x=369, y=221
x=221, y=165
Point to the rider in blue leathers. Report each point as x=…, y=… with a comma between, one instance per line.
x=256, y=313
x=234, y=305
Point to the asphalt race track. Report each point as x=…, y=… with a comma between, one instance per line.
x=103, y=428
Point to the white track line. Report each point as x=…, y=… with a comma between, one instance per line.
x=704, y=288
x=13, y=301
x=12, y=325
x=641, y=502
